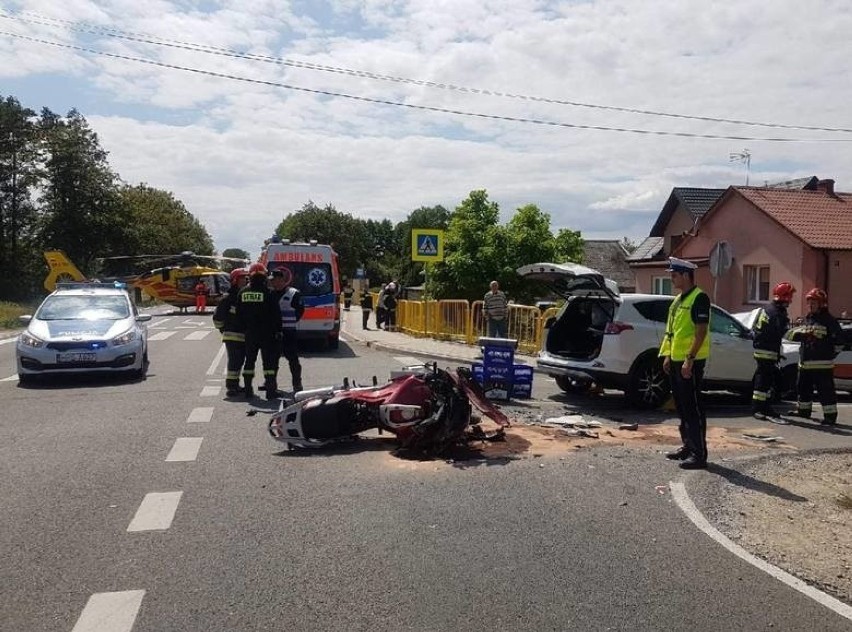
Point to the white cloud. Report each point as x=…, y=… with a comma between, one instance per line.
x=244, y=155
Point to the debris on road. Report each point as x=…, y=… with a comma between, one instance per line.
x=572, y=421
x=768, y=438
x=633, y=426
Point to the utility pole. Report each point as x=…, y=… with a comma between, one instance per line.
x=744, y=157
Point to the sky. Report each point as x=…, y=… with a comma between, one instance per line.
x=448, y=93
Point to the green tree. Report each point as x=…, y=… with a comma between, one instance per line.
x=161, y=224
x=20, y=261
x=234, y=253
x=528, y=240
x=83, y=210
x=475, y=251
x=327, y=225
x=569, y=246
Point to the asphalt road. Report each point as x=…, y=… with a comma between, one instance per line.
x=251, y=537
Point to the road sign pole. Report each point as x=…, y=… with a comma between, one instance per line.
x=426, y=298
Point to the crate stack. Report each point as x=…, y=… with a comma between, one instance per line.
x=498, y=374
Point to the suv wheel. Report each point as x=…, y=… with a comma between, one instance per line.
x=648, y=386
x=572, y=386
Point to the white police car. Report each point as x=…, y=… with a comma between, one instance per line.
x=84, y=327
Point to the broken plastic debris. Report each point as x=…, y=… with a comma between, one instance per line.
x=572, y=421
x=661, y=489
x=762, y=437
x=634, y=426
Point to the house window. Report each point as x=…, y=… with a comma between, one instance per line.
x=757, y=283
x=663, y=285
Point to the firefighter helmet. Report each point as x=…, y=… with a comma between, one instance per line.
x=237, y=274
x=818, y=295
x=257, y=269
x=783, y=292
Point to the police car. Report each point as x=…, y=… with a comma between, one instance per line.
x=84, y=327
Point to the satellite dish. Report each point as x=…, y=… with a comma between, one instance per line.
x=721, y=258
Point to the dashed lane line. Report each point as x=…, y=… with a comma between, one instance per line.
x=8, y=341
x=185, y=449
x=161, y=335
x=159, y=324
x=200, y=416
x=113, y=611
x=210, y=391
x=219, y=355
x=681, y=497
x=156, y=512
x=198, y=335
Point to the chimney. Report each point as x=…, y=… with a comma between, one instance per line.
x=826, y=186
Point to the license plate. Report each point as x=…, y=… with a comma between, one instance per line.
x=76, y=357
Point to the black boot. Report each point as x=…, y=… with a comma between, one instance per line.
x=248, y=391
x=232, y=388
x=271, y=389
x=678, y=455
x=829, y=420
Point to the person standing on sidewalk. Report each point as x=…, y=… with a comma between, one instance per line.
x=818, y=334
x=390, y=306
x=768, y=331
x=233, y=335
x=496, y=310
x=366, y=307
x=685, y=349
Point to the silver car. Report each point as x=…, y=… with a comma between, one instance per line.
x=84, y=327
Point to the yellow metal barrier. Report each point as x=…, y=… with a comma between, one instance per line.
x=465, y=322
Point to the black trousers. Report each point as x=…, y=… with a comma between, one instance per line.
x=365, y=317
x=236, y=358
x=687, y=397
x=269, y=352
x=290, y=351
x=764, y=378
x=823, y=380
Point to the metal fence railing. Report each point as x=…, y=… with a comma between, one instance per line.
x=463, y=321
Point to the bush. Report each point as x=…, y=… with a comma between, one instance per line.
x=9, y=313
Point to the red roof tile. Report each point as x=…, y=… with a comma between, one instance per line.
x=819, y=219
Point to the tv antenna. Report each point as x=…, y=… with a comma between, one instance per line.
x=745, y=157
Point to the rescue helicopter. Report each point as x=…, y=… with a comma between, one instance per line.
x=173, y=283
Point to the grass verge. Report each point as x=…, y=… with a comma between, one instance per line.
x=9, y=313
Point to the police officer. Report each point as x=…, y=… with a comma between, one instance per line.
x=290, y=303
x=818, y=334
x=260, y=317
x=768, y=331
x=234, y=337
x=685, y=349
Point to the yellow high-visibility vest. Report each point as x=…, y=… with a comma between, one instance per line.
x=680, y=330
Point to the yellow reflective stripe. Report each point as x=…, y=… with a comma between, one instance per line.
x=269, y=371
x=831, y=409
x=811, y=365
x=233, y=336
x=218, y=324
x=762, y=354
x=232, y=375
x=805, y=406
x=760, y=396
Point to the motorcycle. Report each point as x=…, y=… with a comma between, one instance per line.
x=427, y=408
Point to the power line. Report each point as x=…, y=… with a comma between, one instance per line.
x=226, y=52
x=427, y=108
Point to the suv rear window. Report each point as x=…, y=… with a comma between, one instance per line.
x=656, y=310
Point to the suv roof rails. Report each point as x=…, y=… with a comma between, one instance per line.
x=91, y=285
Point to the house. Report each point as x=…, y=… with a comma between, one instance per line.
x=800, y=231
x=609, y=257
x=680, y=217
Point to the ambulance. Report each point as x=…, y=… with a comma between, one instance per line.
x=312, y=269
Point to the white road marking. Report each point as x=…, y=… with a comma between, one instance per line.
x=408, y=360
x=212, y=369
x=113, y=611
x=156, y=512
x=198, y=335
x=7, y=341
x=185, y=449
x=159, y=323
x=688, y=507
x=210, y=391
x=200, y=416
x=11, y=378
x=161, y=335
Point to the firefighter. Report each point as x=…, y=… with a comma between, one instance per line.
x=291, y=306
x=234, y=337
x=348, y=291
x=768, y=331
x=685, y=349
x=260, y=317
x=818, y=334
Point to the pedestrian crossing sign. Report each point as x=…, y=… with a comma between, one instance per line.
x=427, y=244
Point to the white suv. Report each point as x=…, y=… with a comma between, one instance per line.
x=600, y=336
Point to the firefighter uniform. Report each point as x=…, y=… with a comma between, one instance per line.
x=818, y=335
x=690, y=308
x=291, y=306
x=234, y=337
x=260, y=317
x=769, y=329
